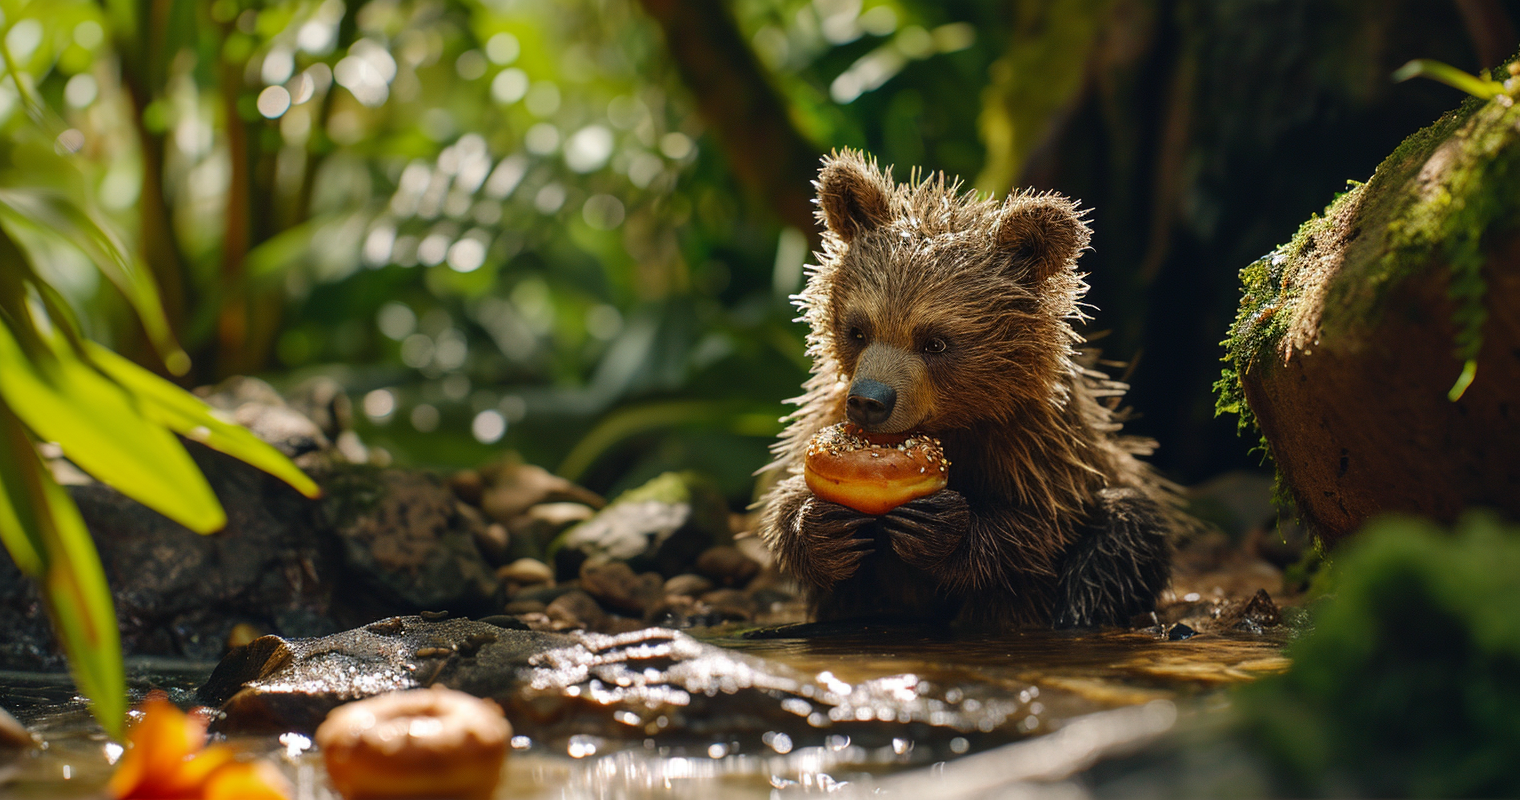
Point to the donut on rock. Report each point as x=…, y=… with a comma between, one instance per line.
x=431, y=743
x=873, y=473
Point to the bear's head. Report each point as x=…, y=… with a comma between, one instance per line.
x=943, y=308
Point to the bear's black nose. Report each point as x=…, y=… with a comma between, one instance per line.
x=870, y=402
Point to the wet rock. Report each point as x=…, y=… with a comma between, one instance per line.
x=402, y=534
x=1179, y=632
x=1261, y=609
x=661, y=526
x=616, y=586
x=179, y=593
x=515, y=487
x=576, y=610
x=651, y=683
x=727, y=566
x=526, y=572
x=687, y=585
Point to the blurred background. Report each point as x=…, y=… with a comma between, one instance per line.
x=570, y=228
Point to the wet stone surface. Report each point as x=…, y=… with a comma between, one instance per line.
x=652, y=683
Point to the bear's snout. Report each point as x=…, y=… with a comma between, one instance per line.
x=870, y=402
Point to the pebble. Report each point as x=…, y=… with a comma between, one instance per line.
x=573, y=610
x=526, y=572
x=687, y=585
x=727, y=566
x=618, y=588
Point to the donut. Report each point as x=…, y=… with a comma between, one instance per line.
x=417, y=743
x=873, y=473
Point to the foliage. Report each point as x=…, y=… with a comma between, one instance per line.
x=112, y=418
x=503, y=224
x=1409, y=684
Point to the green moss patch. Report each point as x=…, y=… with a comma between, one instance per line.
x=1409, y=684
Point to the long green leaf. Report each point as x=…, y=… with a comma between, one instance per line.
x=64, y=400
x=73, y=581
x=185, y=414
x=59, y=216
x=19, y=528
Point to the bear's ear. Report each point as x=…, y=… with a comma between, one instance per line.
x=1040, y=235
x=852, y=195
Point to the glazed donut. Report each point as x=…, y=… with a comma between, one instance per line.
x=873, y=473
x=418, y=743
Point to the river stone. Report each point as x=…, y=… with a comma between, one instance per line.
x=616, y=587
x=687, y=585
x=660, y=526
x=516, y=487
x=402, y=534
x=648, y=684
x=526, y=572
x=727, y=566
x=576, y=609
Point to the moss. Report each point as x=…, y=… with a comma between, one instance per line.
x=1398, y=225
x=1409, y=683
x=1269, y=303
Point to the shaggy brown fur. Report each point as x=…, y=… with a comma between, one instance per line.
x=959, y=309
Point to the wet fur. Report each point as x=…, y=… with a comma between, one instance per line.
x=1049, y=517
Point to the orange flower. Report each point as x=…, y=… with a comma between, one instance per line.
x=167, y=759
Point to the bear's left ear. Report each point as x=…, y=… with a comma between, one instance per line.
x=1040, y=235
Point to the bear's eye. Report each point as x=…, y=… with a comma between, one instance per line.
x=935, y=345
x=857, y=334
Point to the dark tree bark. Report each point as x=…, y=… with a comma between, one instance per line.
x=1201, y=134
x=753, y=124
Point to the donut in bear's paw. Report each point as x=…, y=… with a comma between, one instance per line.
x=873, y=473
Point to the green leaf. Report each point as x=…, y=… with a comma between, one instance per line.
x=54, y=213
x=185, y=414
x=1451, y=76
x=73, y=581
x=99, y=426
x=18, y=519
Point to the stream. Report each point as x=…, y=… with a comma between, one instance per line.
x=1079, y=697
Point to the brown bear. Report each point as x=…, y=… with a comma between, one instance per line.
x=936, y=310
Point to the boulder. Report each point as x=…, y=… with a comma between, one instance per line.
x=1376, y=350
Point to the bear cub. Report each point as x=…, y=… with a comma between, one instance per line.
x=936, y=310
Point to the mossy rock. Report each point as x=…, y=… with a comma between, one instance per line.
x=1379, y=350
x=660, y=526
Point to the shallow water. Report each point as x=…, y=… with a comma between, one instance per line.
x=1059, y=677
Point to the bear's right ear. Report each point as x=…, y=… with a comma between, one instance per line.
x=852, y=195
